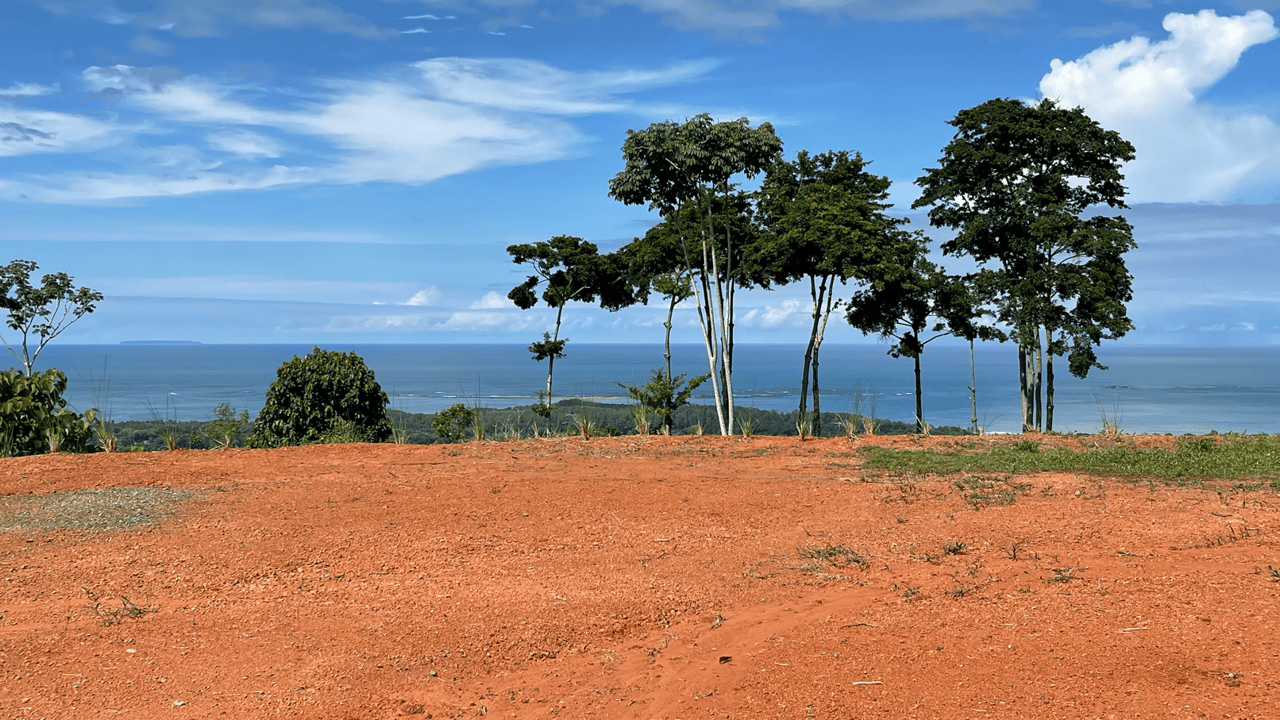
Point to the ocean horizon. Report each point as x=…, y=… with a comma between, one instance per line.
x=1146, y=389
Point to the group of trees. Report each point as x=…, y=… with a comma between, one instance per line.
x=1019, y=183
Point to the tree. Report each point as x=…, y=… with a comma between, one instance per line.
x=671, y=167
x=914, y=302
x=664, y=395
x=654, y=263
x=34, y=418
x=1016, y=182
x=826, y=223
x=453, y=421
x=323, y=396
x=567, y=268
x=40, y=313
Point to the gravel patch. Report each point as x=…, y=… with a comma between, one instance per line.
x=90, y=510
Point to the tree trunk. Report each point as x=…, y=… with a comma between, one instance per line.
x=1023, y=388
x=1039, y=376
x=919, y=390
x=816, y=301
x=1048, y=383
x=551, y=359
x=666, y=350
x=829, y=284
x=705, y=318
x=973, y=391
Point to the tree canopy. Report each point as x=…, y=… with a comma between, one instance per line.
x=1018, y=182
x=671, y=166
x=40, y=313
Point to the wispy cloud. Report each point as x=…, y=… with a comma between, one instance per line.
x=29, y=90
x=210, y=18
x=24, y=131
x=532, y=86
x=415, y=31
x=738, y=17
x=1187, y=149
x=452, y=116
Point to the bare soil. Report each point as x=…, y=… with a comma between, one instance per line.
x=691, y=577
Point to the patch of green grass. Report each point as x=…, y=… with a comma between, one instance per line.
x=1244, y=456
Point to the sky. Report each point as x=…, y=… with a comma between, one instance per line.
x=343, y=171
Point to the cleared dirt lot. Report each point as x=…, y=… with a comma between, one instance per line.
x=691, y=577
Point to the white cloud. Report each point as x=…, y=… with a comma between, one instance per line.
x=25, y=131
x=245, y=143
x=425, y=297
x=208, y=18
x=532, y=86
x=492, y=301
x=1187, y=150
x=249, y=287
x=419, y=17
x=30, y=90
x=13, y=231
x=751, y=16
x=414, y=31
x=456, y=115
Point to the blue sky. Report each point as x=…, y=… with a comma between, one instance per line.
x=311, y=171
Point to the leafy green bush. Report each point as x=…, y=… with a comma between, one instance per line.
x=34, y=418
x=453, y=421
x=323, y=397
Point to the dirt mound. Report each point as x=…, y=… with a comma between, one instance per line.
x=691, y=577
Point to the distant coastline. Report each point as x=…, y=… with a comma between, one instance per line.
x=159, y=342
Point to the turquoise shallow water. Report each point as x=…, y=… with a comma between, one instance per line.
x=1147, y=389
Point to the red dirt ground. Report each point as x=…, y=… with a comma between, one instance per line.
x=636, y=578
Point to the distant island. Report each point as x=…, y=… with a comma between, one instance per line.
x=159, y=342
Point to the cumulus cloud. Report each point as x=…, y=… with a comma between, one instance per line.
x=492, y=301
x=1187, y=149
x=424, y=298
x=450, y=116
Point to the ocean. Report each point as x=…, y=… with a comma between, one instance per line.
x=1145, y=390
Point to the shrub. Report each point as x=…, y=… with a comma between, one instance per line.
x=453, y=421
x=34, y=418
x=323, y=397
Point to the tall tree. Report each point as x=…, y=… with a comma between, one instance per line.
x=915, y=302
x=567, y=269
x=1016, y=181
x=826, y=223
x=655, y=264
x=671, y=167
x=40, y=313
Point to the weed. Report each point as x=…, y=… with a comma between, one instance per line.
x=837, y=555
x=1275, y=574
x=959, y=591
x=744, y=424
x=586, y=426
x=1013, y=548
x=804, y=428
x=953, y=547
x=114, y=616
x=973, y=568
x=909, y=592
x=1062, y=575
x=1028, y=446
